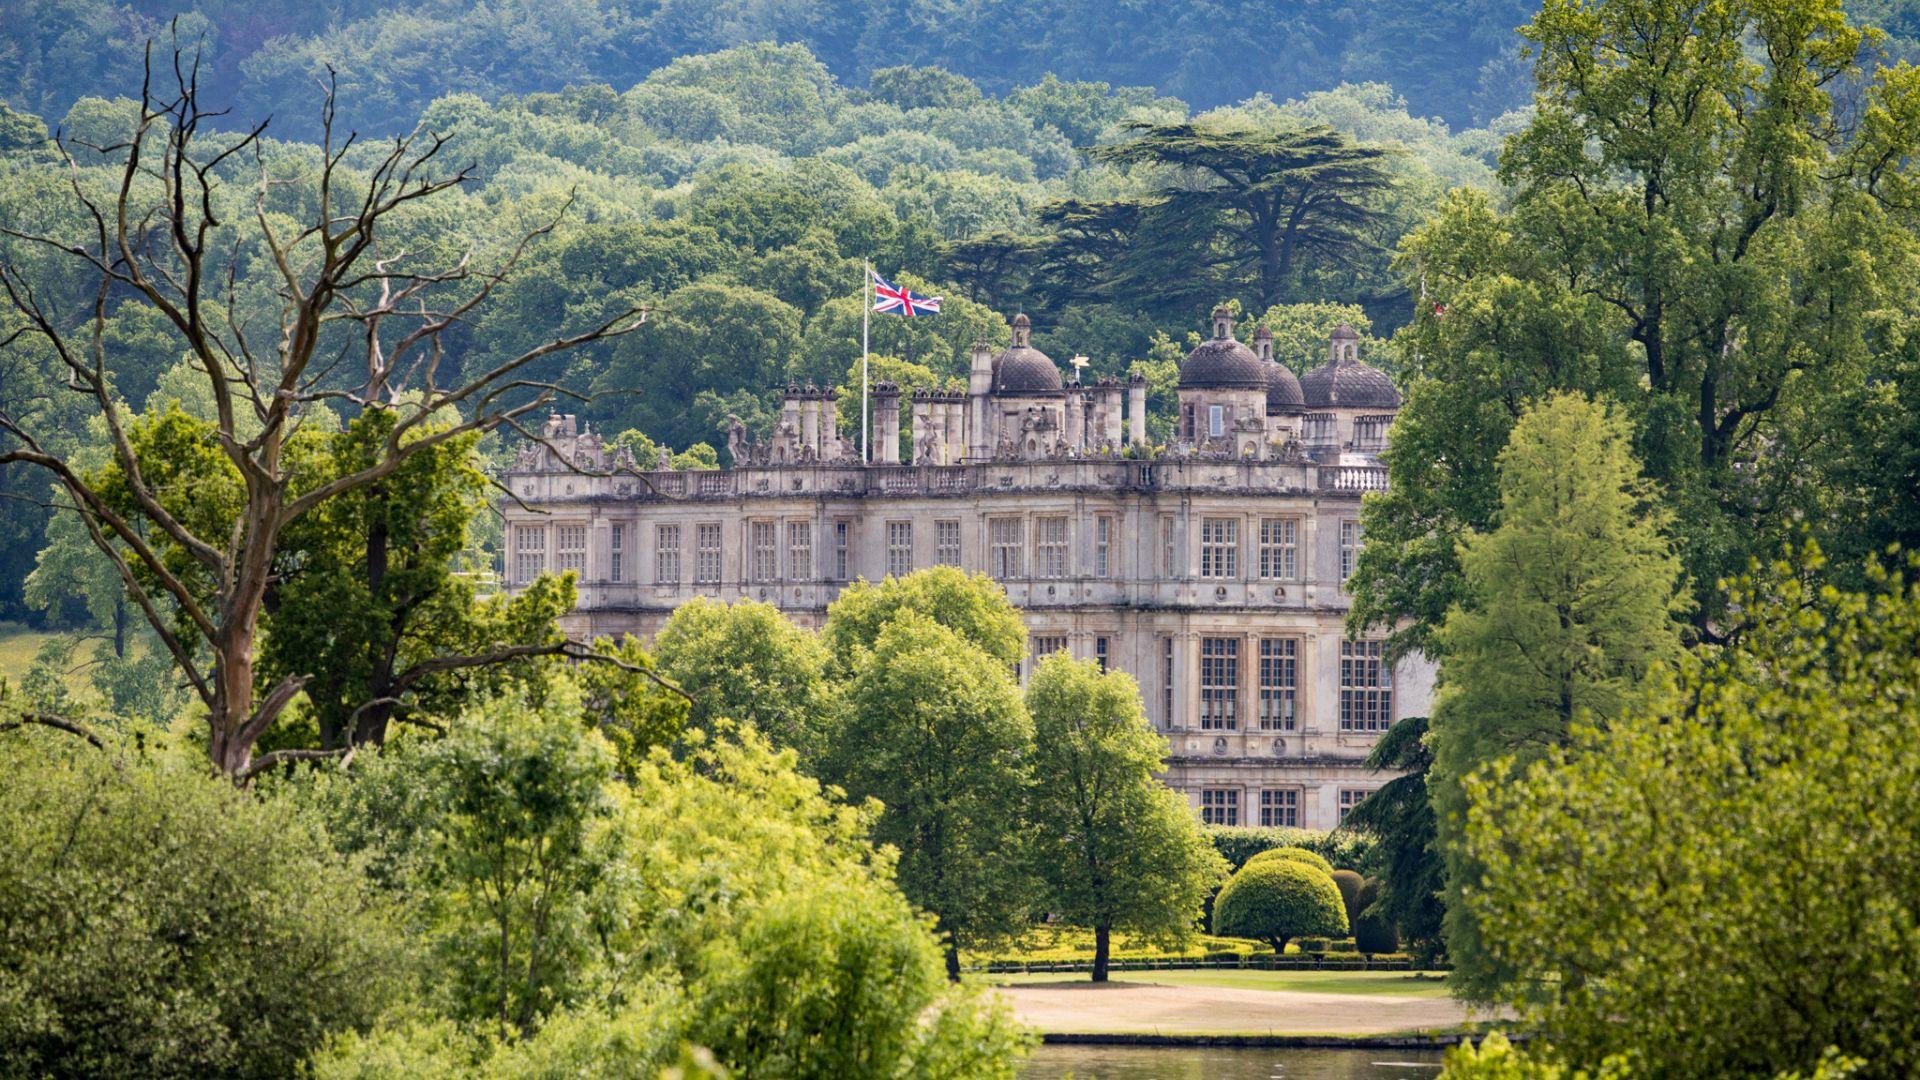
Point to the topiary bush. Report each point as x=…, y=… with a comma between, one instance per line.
x=1349, y=884
x=1278, y=899
x=1297, y=854
x=1373, y=934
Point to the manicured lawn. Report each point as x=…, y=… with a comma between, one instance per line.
x=1398, y=983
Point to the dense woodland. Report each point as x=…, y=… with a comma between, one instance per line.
x=279, y=301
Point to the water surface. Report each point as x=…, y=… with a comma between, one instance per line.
x=1058, y=1062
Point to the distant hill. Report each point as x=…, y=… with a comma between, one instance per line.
x=1457, y=59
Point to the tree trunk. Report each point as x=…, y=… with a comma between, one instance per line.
x=119, y=629
x=1101, y=935
x=953, y=961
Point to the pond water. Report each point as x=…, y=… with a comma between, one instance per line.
x=1059, y=1062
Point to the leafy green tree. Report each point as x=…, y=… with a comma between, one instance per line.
x=1115, y=848
x=935, y=729
x=742, y=910
x=1301, y=331
x=921, y=88
x=973, y=606
x=1574, y=600
x=1681, y=180
x=1410, y=875
x=511, y=858
x=160, y=922
x=709, y=336
x=1743, y=838
x=1279, y=899
x=746, y=662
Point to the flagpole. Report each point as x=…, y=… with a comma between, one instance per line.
x=866, y=309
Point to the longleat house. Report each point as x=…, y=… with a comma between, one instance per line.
x=1210, y=569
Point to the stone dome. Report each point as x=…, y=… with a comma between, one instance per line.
x=1022, y=370
x=1347, y=382
x=1284, y=395
x=1222, y=363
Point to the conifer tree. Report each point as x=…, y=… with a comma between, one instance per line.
x=1570, y=601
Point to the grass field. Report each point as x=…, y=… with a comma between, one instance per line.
x=19, y=644
x=1410, y=984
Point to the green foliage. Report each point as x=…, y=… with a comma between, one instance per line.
x=1399, y=816
x=1571, y=602
x=972, y=606
x=1349, y=883
x=1372, y=933
x=511, y=858
x=1239, y=843
x=1292, y=854
x=157, y=921
x=935, y=729
x=1278, y=899
x=740, y=921
x=1116, y=849
x=1244, y=211
x=746, y=662
x=1773, y=784
x=1711, y=149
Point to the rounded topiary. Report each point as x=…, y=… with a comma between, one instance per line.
x=1371, y=933
x=1349, y=884
x=1277, y=899
x=1296, y=854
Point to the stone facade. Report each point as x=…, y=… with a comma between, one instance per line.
x=1210, y=570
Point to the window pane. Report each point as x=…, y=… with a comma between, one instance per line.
x=1366, y=687
x=1219, y=684
x=1278, y=671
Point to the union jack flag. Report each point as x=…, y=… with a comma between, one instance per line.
x=893, y=300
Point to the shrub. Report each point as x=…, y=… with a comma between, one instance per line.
x=1373, y=934
x=1297, y=854
x=1276, y=900
x=1238, y=843
x=1313, y=945
x=157, y=921
x=1349, y=884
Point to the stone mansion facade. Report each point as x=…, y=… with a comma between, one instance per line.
x=1210, y=569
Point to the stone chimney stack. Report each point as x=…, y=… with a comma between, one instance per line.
x=886, y=422
x=1110, y=418
x=810, y=418
x=829, y=425
x=1076, y=421
x=790, y=409
x=1137, y=410
x=979, y=386
x=1263, y=344
x=1222, y=322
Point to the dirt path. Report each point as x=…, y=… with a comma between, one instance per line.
x=1132, y=1008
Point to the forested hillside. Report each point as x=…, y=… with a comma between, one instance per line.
x=1454, y=59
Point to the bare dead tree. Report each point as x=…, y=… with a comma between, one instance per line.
x=152, y=241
